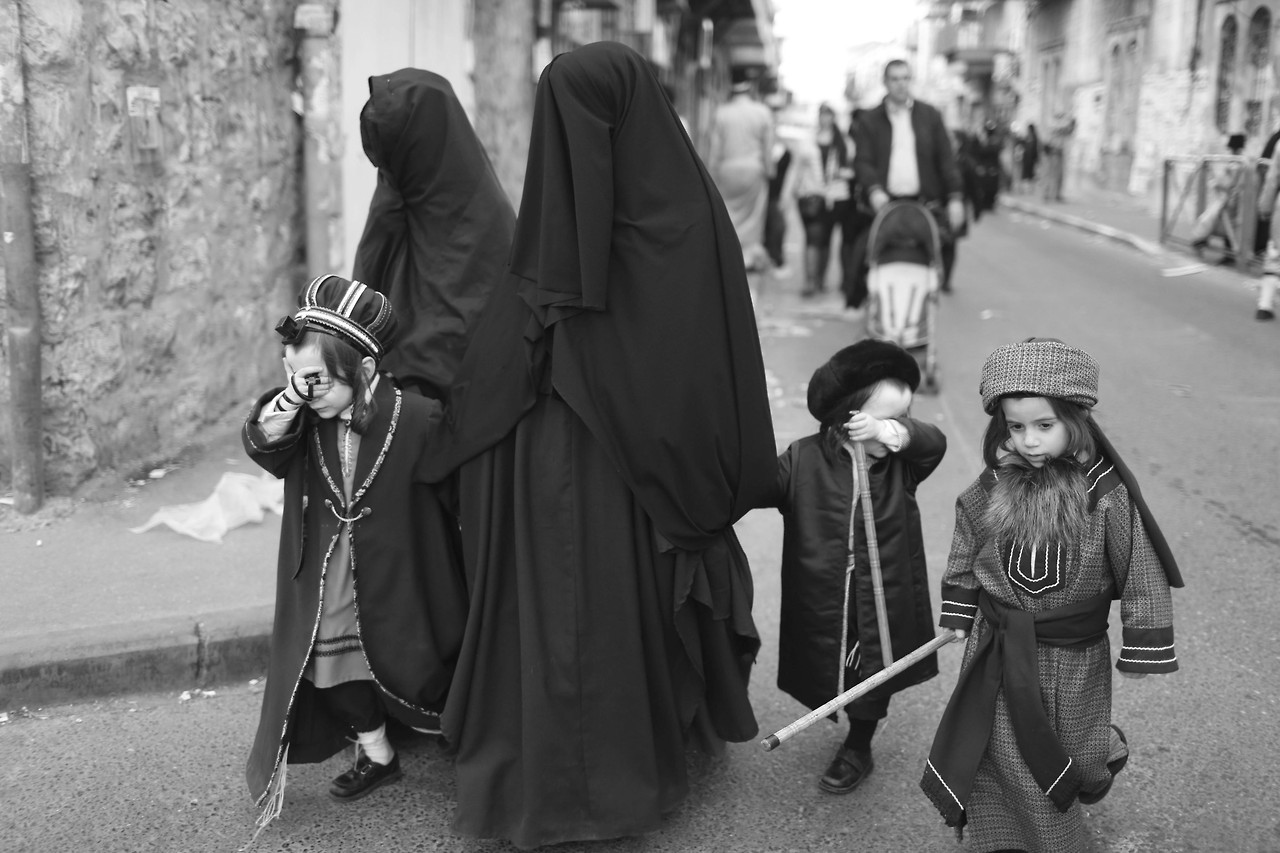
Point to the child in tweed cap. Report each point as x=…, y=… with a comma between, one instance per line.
x=1052, y=531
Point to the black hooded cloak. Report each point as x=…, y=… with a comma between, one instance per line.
x=612, y=415
x=439, y=226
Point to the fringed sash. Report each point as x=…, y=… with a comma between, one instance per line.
x=1006, y=654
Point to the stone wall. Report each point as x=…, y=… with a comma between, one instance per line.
x=168, y=244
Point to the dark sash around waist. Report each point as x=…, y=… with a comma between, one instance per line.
x=1006, y=654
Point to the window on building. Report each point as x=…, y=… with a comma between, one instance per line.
x=1226, y=72
x=1259, y=61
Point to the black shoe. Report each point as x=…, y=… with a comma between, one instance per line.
x=1264, y=314
x=364, y=778
x=846, y=771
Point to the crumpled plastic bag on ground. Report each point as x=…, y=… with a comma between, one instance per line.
x=237, y=499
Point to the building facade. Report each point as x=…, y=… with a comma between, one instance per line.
x=1136, y=81
x=190, y=161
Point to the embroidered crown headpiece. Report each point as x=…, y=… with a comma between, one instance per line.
x=347, y=310
x=1039, y=367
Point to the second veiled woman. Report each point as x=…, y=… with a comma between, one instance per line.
x=439, y=225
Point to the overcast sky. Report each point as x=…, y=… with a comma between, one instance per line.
x=817, y=35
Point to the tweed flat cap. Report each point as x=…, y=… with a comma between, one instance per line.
x=1039, y=367
x=857, y=366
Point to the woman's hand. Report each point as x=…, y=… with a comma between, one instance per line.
x=961, y=633
x=1133, y=674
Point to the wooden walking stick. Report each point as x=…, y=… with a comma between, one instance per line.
x=873, y=553
x=775, y=740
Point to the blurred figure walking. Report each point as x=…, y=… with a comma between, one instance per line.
x=821, y=191
x=1055, y=150
x=741, y=164
x=1029, y=161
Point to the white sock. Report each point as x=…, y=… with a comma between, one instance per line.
x=376, y=745
x=1267, y=293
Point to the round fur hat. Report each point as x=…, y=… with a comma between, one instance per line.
x=348, y=310
x=857, y=366
x=1039, y=367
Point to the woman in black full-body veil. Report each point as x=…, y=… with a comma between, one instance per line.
x=611, y=422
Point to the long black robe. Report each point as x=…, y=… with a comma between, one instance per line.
x=614, y=423
x=410, y=591
x=439, y=226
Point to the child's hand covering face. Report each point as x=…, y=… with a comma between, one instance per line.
x=889, y=401
x=329, y=396
x=309, y=383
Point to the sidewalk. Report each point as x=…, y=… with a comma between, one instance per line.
x=90, y=608
x=1113, y=215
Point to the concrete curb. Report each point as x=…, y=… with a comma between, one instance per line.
x=72, y=665
x=1115, y=234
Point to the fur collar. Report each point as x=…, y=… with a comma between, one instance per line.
x=1038, y=506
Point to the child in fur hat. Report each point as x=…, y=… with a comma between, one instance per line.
x=1053, y=530
x=829, y=636
x=350, y=649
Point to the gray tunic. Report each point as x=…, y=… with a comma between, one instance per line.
x=1006, y=808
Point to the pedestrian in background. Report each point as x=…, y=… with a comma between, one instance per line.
x=858, y=215
x=609, y=424
x=1220, y=212
x=988, y=145
x=439, y=225
x=1051, y=532
x=741, y=163
x=1028, y=147
x=351, y=448
x=1268, y=233
x=829, y=636
x=1055, y=155
x=904, y=152
x=821, y=191
x=775, y=227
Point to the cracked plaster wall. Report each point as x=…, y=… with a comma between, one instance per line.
x=162, y=270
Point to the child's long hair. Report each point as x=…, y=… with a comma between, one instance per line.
x=832, y=429
x=1082, y=430
x=342, y=360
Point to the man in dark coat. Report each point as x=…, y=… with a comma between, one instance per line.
x=904, y=152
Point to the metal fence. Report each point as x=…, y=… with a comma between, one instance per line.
x=1211, y=202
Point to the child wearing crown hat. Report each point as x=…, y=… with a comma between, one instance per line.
x=829, y=637
x=1052, y=531
x=370, y=595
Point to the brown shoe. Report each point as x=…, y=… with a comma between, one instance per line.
x=846, y=771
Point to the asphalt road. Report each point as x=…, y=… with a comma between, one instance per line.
x=1190, y=393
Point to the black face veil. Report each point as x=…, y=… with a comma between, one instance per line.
x=627, y=297
x=439, y=227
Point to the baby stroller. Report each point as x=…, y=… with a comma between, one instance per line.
x=904, y=260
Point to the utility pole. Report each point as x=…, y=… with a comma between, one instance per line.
x=22, y=288
x=314, y=23
x=505, y=83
